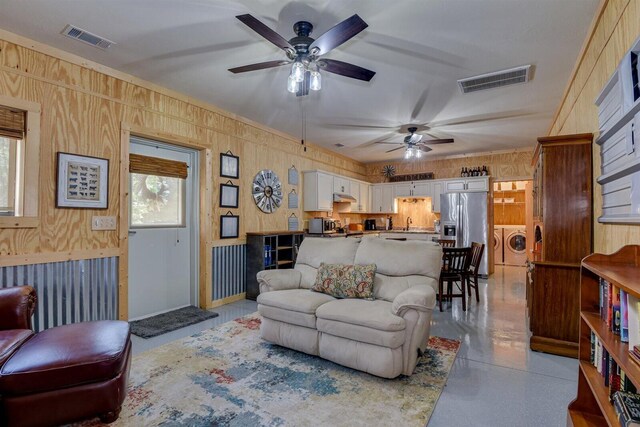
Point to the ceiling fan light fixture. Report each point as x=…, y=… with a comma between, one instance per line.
x=292, y=84
x=409, y=153
x=418, y=153
x=316, y=80
x=297, y=71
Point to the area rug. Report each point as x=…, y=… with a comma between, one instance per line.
x=228, y=376
x=170, y=321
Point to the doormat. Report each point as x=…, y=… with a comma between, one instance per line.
x=170, y=321
x=229, y=376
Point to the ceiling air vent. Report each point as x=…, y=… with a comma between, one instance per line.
x=339, y=145
x=511, y=76
x=86, y=37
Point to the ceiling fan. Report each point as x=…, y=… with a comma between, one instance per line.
x=304, y=53
x=414, y=143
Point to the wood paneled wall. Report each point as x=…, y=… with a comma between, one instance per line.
x=511, y=165
x=615, y=28
x=84, y=107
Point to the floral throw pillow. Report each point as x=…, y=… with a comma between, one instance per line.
x=345, y=281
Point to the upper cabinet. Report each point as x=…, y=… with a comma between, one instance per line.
x=422, y=189
x=360, y=191
x=383, y=199
x=341, y=185
x=413, y=189
x=467, y=185
x=318, y=191
x=438, y=189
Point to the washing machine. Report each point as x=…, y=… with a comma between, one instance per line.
x=497, y=245
x=515, y=245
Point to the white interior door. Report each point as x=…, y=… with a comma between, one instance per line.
x=162, y=234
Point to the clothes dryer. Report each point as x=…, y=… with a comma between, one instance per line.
x=497, y=245
x=515, y=245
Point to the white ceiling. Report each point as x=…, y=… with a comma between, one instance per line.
x=417, y=48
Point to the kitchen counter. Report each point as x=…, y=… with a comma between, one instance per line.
x=409, y=231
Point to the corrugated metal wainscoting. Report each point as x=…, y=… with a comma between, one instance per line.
x=229, y=271
x=69, y=291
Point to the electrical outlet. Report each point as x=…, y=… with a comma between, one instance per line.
x=103, y=223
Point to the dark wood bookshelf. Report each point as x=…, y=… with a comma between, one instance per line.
x=282, y=247
x=592, y=406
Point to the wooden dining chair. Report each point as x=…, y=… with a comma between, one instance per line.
x=477, y=249
x=447, y=243
x=455, y=269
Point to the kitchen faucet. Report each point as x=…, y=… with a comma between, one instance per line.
x=409, y=221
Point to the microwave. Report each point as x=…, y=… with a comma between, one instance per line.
x=322, y=226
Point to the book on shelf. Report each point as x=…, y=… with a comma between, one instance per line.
x=627, y=406
x=624, y=321
x=633, y=308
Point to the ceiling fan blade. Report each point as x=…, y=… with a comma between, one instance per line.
x=386, y=142
x=258, y=66
x=481, y=118
x=345, y=125
x=265, y=31
x=438, y=141
x=424, y=148
x=346, y=69
x=419, y=104
x=339, y=34
x=395, y=149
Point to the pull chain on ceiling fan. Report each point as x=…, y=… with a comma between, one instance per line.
x=304, y=52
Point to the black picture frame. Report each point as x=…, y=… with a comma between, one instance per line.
x=229, y=226
x=65, y=179
x=229, y=166
x=227, y=190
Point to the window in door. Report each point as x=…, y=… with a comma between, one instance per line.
x=158, y=196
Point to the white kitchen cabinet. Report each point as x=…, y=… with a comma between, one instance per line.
x=341, y=185
x=354, y=186
x=363, y=200
x=413, y=189
x=467, y=185
x=421, y=189
x=382, y=199
x=403, y=190
x=435, y=196
x=318, y=192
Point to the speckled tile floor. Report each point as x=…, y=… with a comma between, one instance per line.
x=496, y=380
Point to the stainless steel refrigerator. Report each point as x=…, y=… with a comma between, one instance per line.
x=464, y=218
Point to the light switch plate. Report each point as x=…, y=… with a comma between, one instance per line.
x=103, y=223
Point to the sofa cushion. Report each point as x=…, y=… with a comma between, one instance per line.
x=65, y=356
x=316, y=250
x=300, y=300
x=308, y=320
x=345, y=280
x=370, y=314
x=406, y=258
x=391, y=339
x=308, y=275
x=10, y=340
x=389, y=287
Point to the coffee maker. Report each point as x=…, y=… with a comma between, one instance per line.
x=370, y=224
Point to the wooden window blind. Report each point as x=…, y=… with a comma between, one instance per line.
x=156, y=166
x=12, y=123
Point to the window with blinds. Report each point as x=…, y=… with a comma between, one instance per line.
x=12, y=134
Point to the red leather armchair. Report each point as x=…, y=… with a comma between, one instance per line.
x=60, y=375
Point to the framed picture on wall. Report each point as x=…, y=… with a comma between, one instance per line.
x=229, y=226
x=229, y=195
x=229, y=165
x=82, y=182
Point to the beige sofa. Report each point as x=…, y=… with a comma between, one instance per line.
x=384, y=336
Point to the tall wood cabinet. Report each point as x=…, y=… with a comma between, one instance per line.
x=563, y=223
